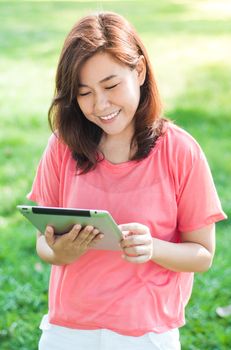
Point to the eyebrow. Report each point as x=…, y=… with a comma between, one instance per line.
x=101, y=81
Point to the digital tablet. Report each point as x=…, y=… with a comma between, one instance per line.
x=63, y=219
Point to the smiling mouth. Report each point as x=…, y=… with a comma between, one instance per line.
x=110, y=116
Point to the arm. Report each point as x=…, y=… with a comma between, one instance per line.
x=65, y=249
x=194, y=253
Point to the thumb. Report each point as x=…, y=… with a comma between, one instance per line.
x=134, y=228
x=49, y=235
x=124, y=229
x=127, y=229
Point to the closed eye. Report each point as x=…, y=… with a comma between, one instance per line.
x=107, y=88
x=84, y=94
x=111, y=87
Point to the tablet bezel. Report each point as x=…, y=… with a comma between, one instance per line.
x=63, y=219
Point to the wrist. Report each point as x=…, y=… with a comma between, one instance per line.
x=57, y=260
x=154, y=256
x=61, y=259
x=51, y=257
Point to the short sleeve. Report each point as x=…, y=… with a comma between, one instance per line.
x=45, y=188
x=198, y=202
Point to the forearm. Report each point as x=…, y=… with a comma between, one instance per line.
x=185, y=257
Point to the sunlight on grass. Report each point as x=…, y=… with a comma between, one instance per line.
x=213, y=9
x=173, y=61
x=27, y=85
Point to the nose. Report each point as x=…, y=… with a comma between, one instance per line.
x=101, y=102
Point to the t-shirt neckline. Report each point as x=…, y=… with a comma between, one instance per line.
x=132, y=163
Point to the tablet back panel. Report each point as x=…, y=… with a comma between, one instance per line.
x=63, y=220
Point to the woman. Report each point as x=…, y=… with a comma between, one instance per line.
x=112, y=150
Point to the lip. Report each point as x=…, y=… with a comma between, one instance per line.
x=108, y=118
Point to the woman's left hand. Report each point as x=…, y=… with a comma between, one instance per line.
x=137, y=243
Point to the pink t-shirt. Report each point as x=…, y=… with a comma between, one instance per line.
x=169, y=191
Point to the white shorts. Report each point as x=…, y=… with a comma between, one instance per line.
x=62, y=338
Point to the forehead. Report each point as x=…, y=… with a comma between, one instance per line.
x=100, y=66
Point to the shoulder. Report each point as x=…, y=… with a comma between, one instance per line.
x=55, y=141
x=56, y=146
x=56, y=152
x=180, y=137
x=180, y=144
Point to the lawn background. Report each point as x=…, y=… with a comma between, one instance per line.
x=189, y=44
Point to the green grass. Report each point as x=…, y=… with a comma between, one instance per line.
x=190, y=47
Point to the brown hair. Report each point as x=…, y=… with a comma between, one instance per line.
x=111, y=33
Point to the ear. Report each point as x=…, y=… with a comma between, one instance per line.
x=141, y=69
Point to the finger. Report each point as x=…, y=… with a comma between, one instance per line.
x=136, y=240
x=93, y=237
x=87, y=234
x=140, y=259
x=137, y=250
x=134, y=228
x=49, y=235
x=125, y=234
x=96, y=239
x=74, y=232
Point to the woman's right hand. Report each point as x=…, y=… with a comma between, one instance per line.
x=70, y=246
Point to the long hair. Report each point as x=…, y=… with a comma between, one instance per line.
x=111, y=33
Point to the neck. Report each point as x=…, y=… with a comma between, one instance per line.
x=117, y=149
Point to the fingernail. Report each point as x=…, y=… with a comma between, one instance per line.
x=49, y=229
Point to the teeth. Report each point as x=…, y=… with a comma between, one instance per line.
x=110, y=116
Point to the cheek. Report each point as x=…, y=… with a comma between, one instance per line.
x=84, y=105
x=131, y=98
x=132, y=91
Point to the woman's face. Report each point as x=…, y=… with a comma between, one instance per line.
x=109, y=93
